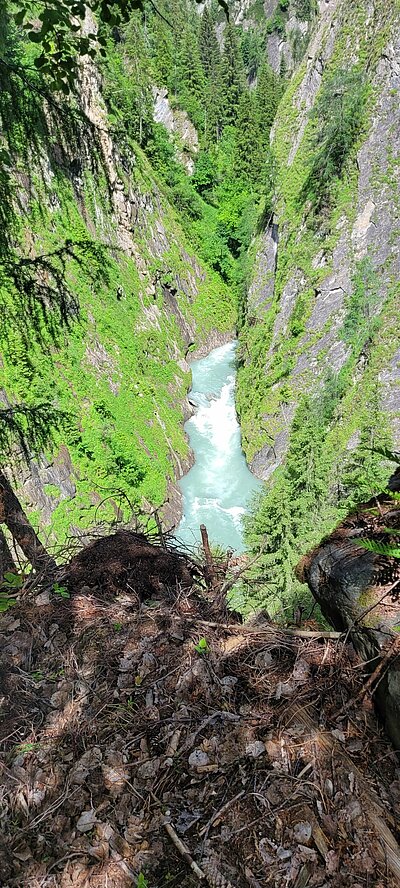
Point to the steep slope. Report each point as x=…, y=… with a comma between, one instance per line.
x=108, y=299
x=319, y=382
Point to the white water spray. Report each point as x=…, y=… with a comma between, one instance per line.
x=219, y=486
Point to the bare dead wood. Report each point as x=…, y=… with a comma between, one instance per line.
x=311, y=633
x=210, y=573
x=391, y=653
x=14, y=517
x=184, y=851
x=218, y=814
x=160, y=529
x=6, y=559
x=233, y=579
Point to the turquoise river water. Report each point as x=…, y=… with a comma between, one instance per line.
x=218, y=488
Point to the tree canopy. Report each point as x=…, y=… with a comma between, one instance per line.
x=63, y=31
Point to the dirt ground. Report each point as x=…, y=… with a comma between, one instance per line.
x=141, y=733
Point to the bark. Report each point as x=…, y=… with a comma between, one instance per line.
x=209, y=567
x=13, y=515
x=6, y=559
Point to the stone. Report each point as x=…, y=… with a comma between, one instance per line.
x=198, y=759
x=342, y=576
x=86, y=821
x=255, y=749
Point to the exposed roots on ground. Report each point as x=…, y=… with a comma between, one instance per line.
x=128, y=747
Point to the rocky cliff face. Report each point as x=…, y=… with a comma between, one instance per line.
x=179, y=126
x=140, y=299
x=307, y=278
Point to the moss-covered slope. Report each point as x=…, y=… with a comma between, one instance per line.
x=321, y=342
x=100, y=240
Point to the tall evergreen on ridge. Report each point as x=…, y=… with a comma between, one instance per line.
x=208, y=45
x=190, y=78
x=267, y=96
x=211, y=62
x=247, y=153
x=233, y=78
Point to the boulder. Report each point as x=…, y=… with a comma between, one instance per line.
x=359, y=593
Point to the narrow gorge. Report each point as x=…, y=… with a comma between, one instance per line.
x=200, y=443
x=196, y=182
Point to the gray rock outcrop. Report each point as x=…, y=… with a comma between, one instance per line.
x=359, y=593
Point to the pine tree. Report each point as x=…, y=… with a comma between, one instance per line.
x=190, y=77
x=211, y=62
x=232, y=77
x=208, y=45
x=247, y=154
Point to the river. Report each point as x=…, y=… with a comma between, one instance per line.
x=217, y=489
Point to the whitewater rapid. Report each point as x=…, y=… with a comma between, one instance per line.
x=217, y=489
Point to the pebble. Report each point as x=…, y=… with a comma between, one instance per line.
x=255, y=749
x=86, y=821
x=198, y=759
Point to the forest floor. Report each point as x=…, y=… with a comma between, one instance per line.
x=144, y=731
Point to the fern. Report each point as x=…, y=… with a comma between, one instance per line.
x=387, y=549
x=391, y=455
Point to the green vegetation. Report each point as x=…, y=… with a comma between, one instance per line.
x=113, y=262
x=331, y=446
x=337, y=119
x=90, y=343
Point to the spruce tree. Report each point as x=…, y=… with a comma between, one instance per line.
x=232, y=77
x=267, y=98
x=190, y=77
x=247, y=154
x=270, y=532
x=211, y=62
x=208, y=45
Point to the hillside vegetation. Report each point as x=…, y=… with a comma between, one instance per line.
x=318, y=389
x=200, y=176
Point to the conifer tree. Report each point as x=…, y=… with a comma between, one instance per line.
x=211, y=62
x=364, y=471
x=190, y=77
x=247, y=153
x=267, y=98
x=208, y=45
x=232, y=76
x=283, y=68
x=271, y=534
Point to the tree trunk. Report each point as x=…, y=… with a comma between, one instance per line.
x=6, y=559
x=13, y=515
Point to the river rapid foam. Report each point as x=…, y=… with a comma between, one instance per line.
x=217, y=489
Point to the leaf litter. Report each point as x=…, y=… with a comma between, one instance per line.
x=128, y=749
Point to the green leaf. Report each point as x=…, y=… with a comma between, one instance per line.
x=16, y=581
